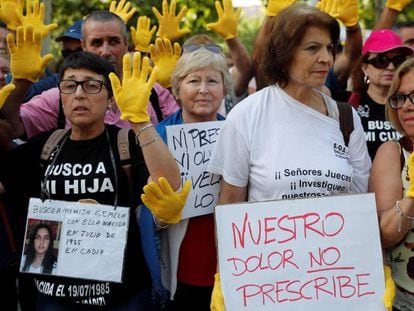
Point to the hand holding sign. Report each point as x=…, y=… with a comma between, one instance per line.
x=389, y=294
x=163, y=202
x=217, y=300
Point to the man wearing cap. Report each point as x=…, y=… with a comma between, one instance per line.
x=382, y=53
x=71, y=39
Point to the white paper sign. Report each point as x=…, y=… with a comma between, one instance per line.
x=192, y=145
x=308, y=254
x=91, y=238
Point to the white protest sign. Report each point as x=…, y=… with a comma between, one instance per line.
x=92, y=237
x=308, y=254
x=192, y=145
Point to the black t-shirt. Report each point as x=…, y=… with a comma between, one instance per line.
x=84, y=169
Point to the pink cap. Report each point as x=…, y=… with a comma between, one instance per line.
x=384, y=40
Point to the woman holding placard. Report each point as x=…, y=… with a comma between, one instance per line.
x=392, y=180
x=200, y=82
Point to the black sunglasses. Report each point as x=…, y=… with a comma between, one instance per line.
x=188, y=48
x=398, y=99
x=382, y=61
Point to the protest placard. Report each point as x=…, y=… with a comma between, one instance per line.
x=192, y=145
x=92, y=237
x=306, y=254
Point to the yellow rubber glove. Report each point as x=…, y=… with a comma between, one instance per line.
x=34, y=17
x=165, y=58
x=169, y=24
x=275, y=6
x=133, y=95
x=217, y=300
x=397, y=5
x=122, y=10
x=8, y=13
x=410, y=191
x=228, y=19
x=164, y=202
x=25, y=58
x=389, y=294
x=5, y=92
x=344, y=10
x=142, y=35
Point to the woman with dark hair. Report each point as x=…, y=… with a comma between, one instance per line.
x=40, y=257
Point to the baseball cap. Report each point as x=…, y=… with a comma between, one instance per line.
x=384, y=40
x=73, y=32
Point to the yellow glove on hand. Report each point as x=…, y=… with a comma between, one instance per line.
x=410, y=191
x=142, y=35
x=217, y=300
x=228, y=19
x=389, y=294
x=169, y=23
x=397, y=5
x=122, y=10
x=5, y=92
x=34, y=17
x=275, y=6
x=25, y=59
x=165, y=58
x=133, y=96
x=344, y=10
x=163, y=202
x=8, y=13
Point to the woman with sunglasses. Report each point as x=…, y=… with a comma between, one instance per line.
x=392, y=180
x=382, y=53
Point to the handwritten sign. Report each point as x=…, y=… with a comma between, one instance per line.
x=92, y=240
x=307, y=254
x=192, y=145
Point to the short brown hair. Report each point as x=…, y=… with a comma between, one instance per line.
x=286, y=33
x=391, y=113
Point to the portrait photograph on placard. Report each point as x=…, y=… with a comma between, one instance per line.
x=41, y=246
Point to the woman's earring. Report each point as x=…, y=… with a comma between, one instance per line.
x=366, y=80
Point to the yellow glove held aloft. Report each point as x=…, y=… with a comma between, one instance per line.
x=397, y=5
x=275, y=6
x=142, y=35
x=5, y=92
x=228, y=19
x=165, y=58
x=122, y=10
x=217, y=300
x=344, y=10
x=389, y=294
x=25, y=59
x=169, y=24
x=133, y=95
x=34, y=17
x=164, y=202
x=8, y=13
x=410, y=191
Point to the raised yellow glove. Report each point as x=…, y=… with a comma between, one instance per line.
x=142, y=35
x=389, y=294
x=397, y=5
x=169, y=24
x=122, y=10
x=132, y=96
x=164, y=202
x=34, y=17
x=25, y=59
x=5, y=92
x=165, y=58
x=8, y=13
x=217, y=300
x=344, y=10
x=228, y=19
x=275, y=6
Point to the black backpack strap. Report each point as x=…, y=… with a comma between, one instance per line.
x=125, y=156
x=155, y=103
x=346, y=120
x=51, y=143
x=61, y=119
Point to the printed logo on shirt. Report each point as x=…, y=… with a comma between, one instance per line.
x=363, y=111
x=341, y=151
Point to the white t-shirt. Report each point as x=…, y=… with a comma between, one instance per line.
x=283, y=149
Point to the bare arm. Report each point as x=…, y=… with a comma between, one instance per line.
x=387, y=19
x=385, y=181
x=158, y=158
x=231, y=194
x=242, y=65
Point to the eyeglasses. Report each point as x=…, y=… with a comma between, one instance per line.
x=397, y=100
x=188, y=48
x=382, y=61
x=88, y=86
